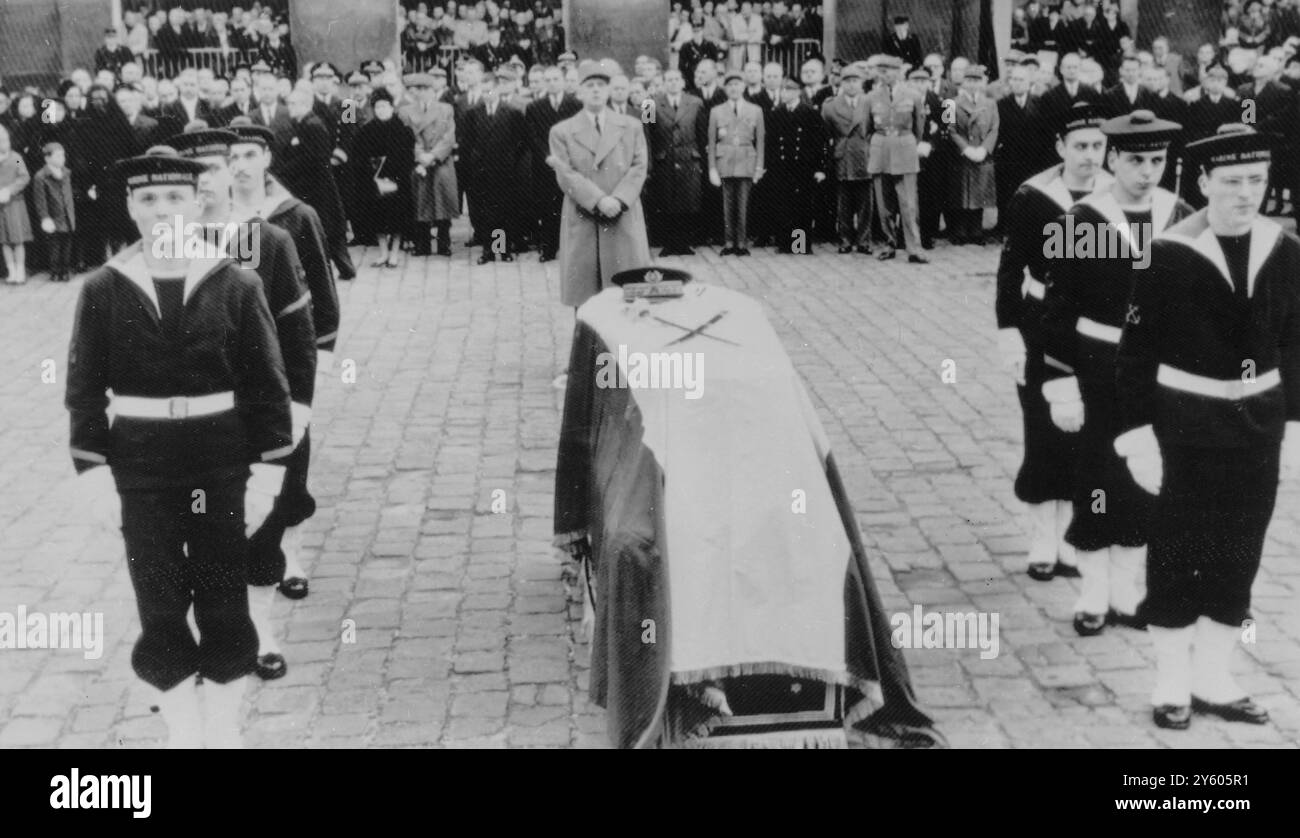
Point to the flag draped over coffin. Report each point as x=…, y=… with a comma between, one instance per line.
x=719, y=527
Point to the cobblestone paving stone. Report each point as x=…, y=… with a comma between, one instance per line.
x=464, y=624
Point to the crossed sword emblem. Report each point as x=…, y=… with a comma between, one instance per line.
x=700, y=330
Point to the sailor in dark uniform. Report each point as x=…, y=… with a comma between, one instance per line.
x=249, y=161
x=200, y=421
x=1046, y=478
x=265, y=248
x=1209, y=410
x=1094, y=252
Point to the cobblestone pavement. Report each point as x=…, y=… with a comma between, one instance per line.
x=466, y=634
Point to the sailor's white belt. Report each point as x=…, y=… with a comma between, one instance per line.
x=1100, y=331
x=1033, y=288
x=1232, y=388
x=177, y=407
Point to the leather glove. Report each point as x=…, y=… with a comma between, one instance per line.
x=1012, y=348
x=260, y=492
x=1066, y=403
x=1141, y=451
x=1291, y=451
x=301, y=415
x=99, y=494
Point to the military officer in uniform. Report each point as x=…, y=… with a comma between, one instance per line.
x=1209, y=414
x=189, y=464
x=275, y=260
x=1045, y=482
x=895, y=123
x=796, y=163
x=433, y=181
x=1087, y=298
x=735, y=155
x=678, y=140
x=250, y=159
x=845, y=116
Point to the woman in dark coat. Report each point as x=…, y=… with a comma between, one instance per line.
x=383, y=157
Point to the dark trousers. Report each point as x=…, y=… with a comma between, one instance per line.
x=293, y=506
x=60, y=254
x=1008, y=176
x=792, y=220
x=1206, y=544
x=761, y=211
x=675, y=231
x=550, y=205
x=826, y=209
x=179, y=556
x=965, y=225
x=853, y=204
x=735, y=210
x=495, y=227
x=710, y=215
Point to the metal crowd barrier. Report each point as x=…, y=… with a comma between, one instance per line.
x=220, y=61
x=421, y=62
x=792, y=55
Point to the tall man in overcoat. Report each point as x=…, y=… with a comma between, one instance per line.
x=600, y=163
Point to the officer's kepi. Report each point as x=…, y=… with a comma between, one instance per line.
x=1235, y=144
x=214, y=142
x=1140, y=131
x=593, y=70
x=159, y=170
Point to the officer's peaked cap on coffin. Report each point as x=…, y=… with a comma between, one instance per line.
x=650, y=274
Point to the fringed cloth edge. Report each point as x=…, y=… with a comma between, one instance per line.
x=869, y=688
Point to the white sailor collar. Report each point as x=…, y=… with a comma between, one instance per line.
x=1050, y=183
x=1162, y=209
x=1195, y=232
x=130, y=264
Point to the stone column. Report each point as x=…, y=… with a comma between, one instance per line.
x=344, y=32
x=618, y=29
x=81, y=31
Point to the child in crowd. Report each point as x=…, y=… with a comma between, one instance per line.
x=52, y=193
